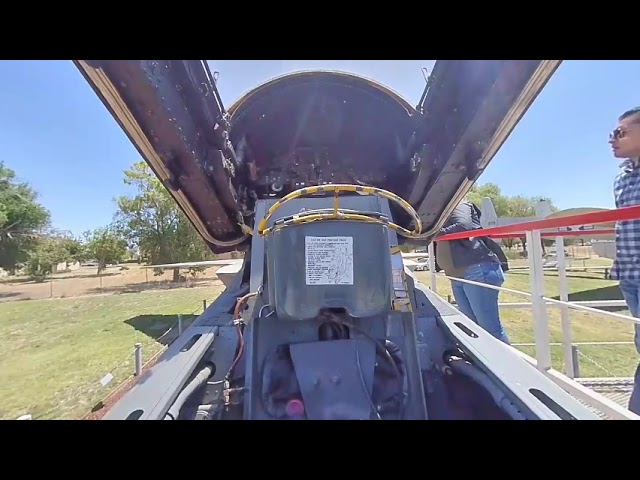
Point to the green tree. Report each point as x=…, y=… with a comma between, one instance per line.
x=51, y=249
x=153, y=223
x=492, y=191
x=22, y=220
x=506, y=206
x=106, y=245
x=74, y=248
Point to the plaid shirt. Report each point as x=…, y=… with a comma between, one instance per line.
x=626, y=189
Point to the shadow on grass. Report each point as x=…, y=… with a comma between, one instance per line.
x=9, y=294
x=611, y=292
x=553, y=275
x=155, y=326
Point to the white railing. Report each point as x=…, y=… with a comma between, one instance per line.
x=539, y=303
x=586, y=303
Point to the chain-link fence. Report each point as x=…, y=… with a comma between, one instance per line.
x=79, y=281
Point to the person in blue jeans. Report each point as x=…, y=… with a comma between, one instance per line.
x=478, y=259
x=625, y=143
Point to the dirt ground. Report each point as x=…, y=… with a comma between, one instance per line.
x=86, y=281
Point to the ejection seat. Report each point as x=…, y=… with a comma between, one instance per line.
x=324, y=351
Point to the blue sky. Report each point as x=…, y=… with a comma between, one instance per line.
x=57, y=135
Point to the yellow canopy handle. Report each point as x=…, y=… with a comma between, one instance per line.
x=336, y=188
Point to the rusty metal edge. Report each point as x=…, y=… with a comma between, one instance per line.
x=108, y=88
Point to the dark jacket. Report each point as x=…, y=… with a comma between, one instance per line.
x=466, y=252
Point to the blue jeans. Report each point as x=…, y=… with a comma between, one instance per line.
x=631, y=294
x=480, y=304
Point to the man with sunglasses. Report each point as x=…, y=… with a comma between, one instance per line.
x=625, y=142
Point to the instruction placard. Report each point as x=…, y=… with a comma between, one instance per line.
x=329, y=260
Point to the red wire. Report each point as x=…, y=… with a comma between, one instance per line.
x=236, y=316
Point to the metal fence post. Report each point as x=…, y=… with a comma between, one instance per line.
x=575, y=361
x=137, y=355
x=432, y=267
x=179, y=324
x=540, y=323
x=564, y=310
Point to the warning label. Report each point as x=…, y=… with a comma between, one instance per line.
x=329, y=260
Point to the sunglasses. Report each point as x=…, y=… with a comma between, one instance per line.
x=617, y=134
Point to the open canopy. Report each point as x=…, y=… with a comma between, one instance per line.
x=310, y=128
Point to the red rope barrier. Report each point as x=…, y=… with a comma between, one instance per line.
x=572, y=233
x=593, y=218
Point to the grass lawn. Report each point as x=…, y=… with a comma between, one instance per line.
x=53, y=353
x=595, y=361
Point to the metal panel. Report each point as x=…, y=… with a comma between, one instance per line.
x=166, y=109
x=470, y=108
x=330, y=387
